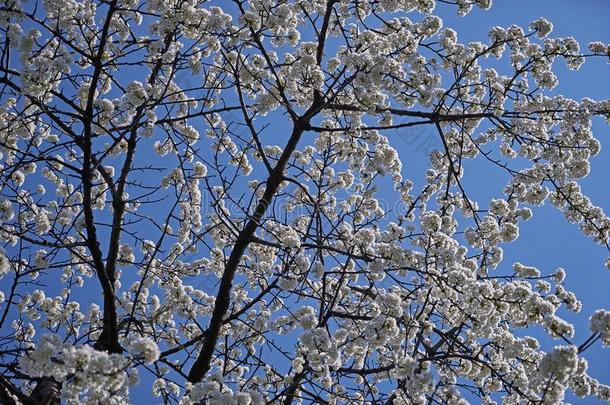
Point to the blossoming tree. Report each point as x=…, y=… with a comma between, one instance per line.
x=255, y=264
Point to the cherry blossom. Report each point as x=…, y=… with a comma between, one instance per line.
x=194, y=204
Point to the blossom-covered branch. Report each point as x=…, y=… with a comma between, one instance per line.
x=208, y=197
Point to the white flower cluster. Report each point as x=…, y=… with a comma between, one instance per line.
x=144, y=348
x=5, y=264
x=215, y=393
x=555, y=370
x=600, y=323
x=88, y=376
